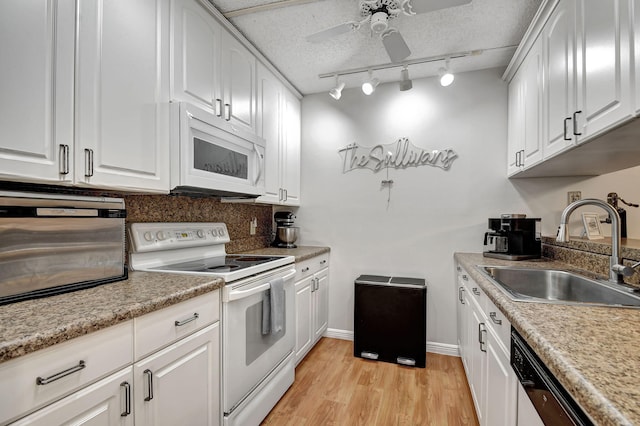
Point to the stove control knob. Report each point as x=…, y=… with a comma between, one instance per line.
x=200, y=233
x=148, y=236
x=221, y=232
x=161, y=235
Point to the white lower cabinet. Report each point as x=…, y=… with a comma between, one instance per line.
x=312, y=303
x=484, y=342
x=98, y=380
x=180, y=384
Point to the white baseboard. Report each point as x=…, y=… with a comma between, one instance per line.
x=433, y=347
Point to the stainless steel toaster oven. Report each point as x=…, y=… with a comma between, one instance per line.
x=51, y=244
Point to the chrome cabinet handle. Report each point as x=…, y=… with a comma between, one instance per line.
x=316, y=285
x=194, y=317
x=460, y=297
x=46, y=380
x=459, y=269
x=227, y=112
x=149, y=375
x=64, y=159
x=127, y=399
x=323, y=262
x=475, y=291
x=492, y=315
x=482, y=341
x=575, y=123
x=286, y=195
x=305, y=269
x=88, y=162
x=279, y=194
x=464, y=277
x=565, y=129
x=219, y=107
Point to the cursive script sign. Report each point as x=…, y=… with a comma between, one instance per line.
x=398, y=155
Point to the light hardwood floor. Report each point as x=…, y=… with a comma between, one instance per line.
x=332, y=387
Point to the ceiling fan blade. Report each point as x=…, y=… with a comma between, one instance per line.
x=426, y=6
x=395, y=45
x=332, y=32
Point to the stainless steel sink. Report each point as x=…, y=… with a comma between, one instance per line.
x=555, y=286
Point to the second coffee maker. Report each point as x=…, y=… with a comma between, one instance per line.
x=513, y=237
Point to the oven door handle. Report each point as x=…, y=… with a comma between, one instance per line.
x=241, y=294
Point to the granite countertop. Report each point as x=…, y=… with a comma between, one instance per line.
x=301, y=253
x=36, y=324
x=594, y=352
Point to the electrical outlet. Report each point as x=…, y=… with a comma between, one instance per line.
x=253, y=226
x=573, y=196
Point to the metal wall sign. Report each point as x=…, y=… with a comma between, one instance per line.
x=398, y=155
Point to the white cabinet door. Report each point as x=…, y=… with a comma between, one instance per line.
x=515, y=123
x=604, y=92
x=180, y=385
x=321, y=304
x=196, y=43
x=501, y=396
x=105, y=403
x=36, y=105
x=559, y=50
x=304, y=311
x=462, y=317
x=121, y=120
x=239, y=82
x=269, y=127
x=477, y=361
x=291, y=149
x=531, y=70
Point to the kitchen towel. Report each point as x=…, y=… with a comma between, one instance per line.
x=266, y=312
x=277, y=305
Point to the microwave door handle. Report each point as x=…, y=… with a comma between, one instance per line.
x=260, y=162
x=241, y=294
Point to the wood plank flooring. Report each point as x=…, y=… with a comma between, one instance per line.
x=332, y=387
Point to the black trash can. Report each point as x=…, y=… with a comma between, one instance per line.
x=390, y=319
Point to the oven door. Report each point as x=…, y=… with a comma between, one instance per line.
x=213, y=156
x=248, y=355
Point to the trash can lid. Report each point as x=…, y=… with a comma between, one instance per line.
x=375, y=279
x=409, y=281
x=393, y=281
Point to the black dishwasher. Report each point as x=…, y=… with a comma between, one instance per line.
x=390, y=319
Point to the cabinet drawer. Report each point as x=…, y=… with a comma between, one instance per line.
x=500, y=324
x=161, y=328
x=59, y=369
x=311, y=266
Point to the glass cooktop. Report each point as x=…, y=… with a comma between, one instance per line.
x=222, y=264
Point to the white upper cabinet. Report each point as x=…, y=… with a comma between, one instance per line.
x=279, y=124
x=604, y=90
x=559, y=100
x=524, y=124
x=196, y=56
x=36, y=106
x=121, y=95
x=84, y=110
x=211, y=68
x=587, y=86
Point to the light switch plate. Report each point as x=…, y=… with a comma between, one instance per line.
x=573, y=196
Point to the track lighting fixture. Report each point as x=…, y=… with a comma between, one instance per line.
x=336, y=92
x=405, y=83
x=445, y=74
x=369, y=86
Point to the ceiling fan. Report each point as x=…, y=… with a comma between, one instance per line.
x=378, y=13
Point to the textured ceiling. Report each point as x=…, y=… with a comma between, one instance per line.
x=279, y=33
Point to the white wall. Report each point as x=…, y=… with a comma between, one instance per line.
x=432, y=213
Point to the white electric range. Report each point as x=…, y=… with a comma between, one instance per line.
x=257, y=363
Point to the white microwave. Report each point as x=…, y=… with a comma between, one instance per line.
x=211, y=156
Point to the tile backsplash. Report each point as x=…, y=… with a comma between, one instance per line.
x=237, y=216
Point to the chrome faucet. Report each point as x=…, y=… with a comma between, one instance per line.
x=617, y=271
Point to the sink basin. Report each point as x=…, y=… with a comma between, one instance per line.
x=555, y=286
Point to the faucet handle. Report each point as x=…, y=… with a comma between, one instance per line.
x=624, y=270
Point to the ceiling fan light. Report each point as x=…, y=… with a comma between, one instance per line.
x=405, y=83
x=369, y=86
x=336, y=92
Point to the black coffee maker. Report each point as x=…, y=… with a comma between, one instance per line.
x=513, y=237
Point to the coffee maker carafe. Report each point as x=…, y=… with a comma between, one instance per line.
x=513, y=237
x=286, y=233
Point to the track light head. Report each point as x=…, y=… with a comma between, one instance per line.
x=336, y=92
x=369, y=86
x=405, y=83
x=446, y=76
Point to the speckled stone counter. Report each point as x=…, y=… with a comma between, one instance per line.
x=593, y=351
x=36, y=324
x=301, y=253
